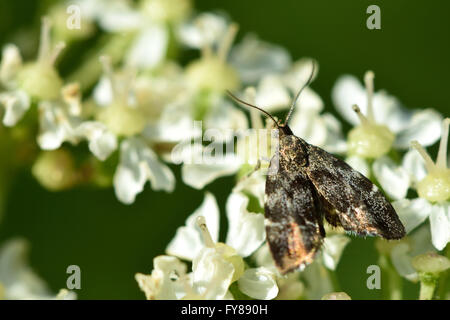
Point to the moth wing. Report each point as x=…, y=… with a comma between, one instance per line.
x=350, y=199
x=293, y=218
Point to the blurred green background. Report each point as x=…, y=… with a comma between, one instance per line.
x=111, y=242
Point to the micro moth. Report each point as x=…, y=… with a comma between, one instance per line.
x=306, y=186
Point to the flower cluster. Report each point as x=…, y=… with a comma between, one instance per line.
x=133, y=104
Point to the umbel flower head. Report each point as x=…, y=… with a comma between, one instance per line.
x=381, y=121
x=211, y=71
x=216, y=265
x=432, y=183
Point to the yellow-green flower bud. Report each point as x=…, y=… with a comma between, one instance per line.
x=369, y=139
x=435, y=186
x=40, y=78
x=431, y=263
x=55, y=170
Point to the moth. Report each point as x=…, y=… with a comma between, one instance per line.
x=308, y=185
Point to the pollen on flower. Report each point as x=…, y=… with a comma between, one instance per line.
x=435, y=186
x=211, y=71
x=40, y=78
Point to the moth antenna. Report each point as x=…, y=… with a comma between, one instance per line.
x=253, y=106
x=299, y=92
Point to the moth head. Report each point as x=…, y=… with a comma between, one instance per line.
x=284, y=128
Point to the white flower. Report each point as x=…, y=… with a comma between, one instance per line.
x=384, y=116
x=245, y=234
x=245, y=230
x=259, y=283
x=16, y=104
x=17, y=279
x=14, y=100
x=167, y=281
x=254, y=59
x=58, y=124
x=274, y=92
x=433, y=190
x=139, y=164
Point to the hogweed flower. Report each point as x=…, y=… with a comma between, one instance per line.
x=435, y=187
x=369, y=139
x=121, y=114
x=197, y=241
x=379, y=116
x=211, y=71
x=432, y=182
x=40, y=79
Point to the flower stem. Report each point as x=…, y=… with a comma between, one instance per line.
x=427, y=289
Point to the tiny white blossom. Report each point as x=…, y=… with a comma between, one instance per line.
x=385, y=110
x=433, y=190
x=139, y=164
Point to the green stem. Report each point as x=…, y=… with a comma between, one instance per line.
x=391, y=281
x=427, y=290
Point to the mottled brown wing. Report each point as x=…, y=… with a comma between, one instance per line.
x=359, y=206
x=293, y=218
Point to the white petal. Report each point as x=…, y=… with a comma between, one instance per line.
x=346, y=92
x=254, y=59
x=16, y=103
x=335, y=141
x=387, y=110
x=138, y=163
x=103, y=92
x=199, y=175
x=160, y=175
x=254, y=185
x=271, y=94
x=440, y=225
x=212, y=274
x=129, y=178
x=167, y=281
x=299, y=74
x=188, y=240
x=55, y=127
x=17, y=278
x=174, y=125
x=394, y=179
x=414, y=164
x=333, y=247
x=206, y=29
x=412, y=212
x=101, y=141
x=225, y=118
x=259, y=283
x=150, y=47
x=10, y=63
x=118, y=16
x=246, y=230
x=425, y=127
x=359, y=164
